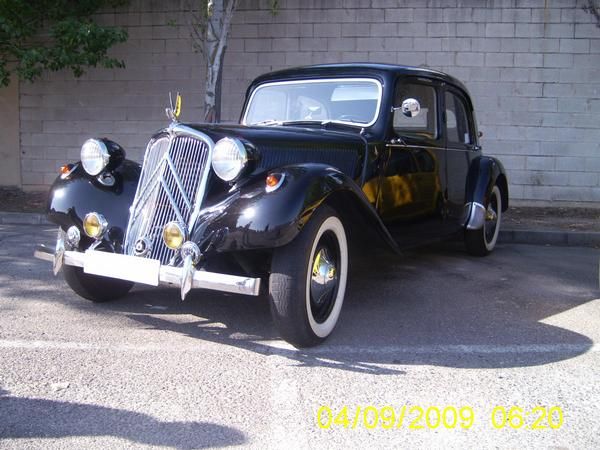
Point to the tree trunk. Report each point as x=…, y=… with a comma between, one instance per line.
x=217, y=30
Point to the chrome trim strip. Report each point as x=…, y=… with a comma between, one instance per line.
x=429, y=147
x=178, y=129
x=476, y=217
x=167, y=274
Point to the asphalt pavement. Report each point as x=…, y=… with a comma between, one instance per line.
x=432, y=329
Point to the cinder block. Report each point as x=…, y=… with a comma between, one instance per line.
x=255, y=45
x=461, y=14
x=485, y=45
x=545, y=14
x=399, y=15
x=583, y=179
x=286, y=44
x=398, y=44
x=340, y=15
x=383, y=29
x=371, y=15
x=512, y=74
x=574, y=46
x=427, y=44
x=571, y=164
x=469, y=59
x=500, y=30
x=560, y=30
x=370, y=44
x=328, y=30
x=528, y=60
x=441, y=29
x=586, y=30
x=428, y=15
x=437, y=59
x=456, y=44
x=356, y=30
x=343, y=44
x=516, y=45
x=470, y=29
x=307, y=43
x=499, y=59
x=558, y=60
x=514, y=15
x=543, y=104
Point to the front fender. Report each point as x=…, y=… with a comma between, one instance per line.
x=252, y=218
x=484, y=173
x=71, y=198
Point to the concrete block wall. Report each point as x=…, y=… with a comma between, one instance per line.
x=532, y=67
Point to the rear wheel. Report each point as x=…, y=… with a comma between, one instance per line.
x=95, y=288
x=481, y=242
x=308, y=280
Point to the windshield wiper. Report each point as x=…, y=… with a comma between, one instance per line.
x=268, y=122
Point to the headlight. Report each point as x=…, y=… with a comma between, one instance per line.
x=94, y=156
x=229, y=158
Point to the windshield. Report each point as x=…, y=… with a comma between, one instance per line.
x=354, y=101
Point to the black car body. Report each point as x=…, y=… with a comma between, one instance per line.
x=322, y=153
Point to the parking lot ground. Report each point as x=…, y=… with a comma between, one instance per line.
x=433, y=328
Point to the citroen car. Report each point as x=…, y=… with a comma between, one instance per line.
x=323, y=157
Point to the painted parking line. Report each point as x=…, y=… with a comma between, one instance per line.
x=284, y=347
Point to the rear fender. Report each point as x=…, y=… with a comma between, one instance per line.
x=485, y=172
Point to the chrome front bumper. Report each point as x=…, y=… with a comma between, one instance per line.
x=147, y=271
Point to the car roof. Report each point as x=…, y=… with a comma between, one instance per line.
x=356, y=69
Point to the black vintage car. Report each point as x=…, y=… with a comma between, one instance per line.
x=324, y=156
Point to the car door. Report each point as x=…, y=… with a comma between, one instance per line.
x=460, y=149
x=411, y=191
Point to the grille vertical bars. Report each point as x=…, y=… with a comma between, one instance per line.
x=171, y=187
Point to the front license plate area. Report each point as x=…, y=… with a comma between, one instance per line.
x=123, y=267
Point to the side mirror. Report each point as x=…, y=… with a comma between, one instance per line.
x=411, y=107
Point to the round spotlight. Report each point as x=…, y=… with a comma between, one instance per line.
x=174, y=235
x=73, y=236
x=94, y=225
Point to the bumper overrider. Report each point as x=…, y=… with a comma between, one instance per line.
x=146, y=271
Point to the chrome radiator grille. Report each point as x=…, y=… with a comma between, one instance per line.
x=170, y=189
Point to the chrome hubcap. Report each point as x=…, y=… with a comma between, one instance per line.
x=491, y=219
x=323, y=280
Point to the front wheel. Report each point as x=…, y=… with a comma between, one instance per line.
x=308, y=280
x=481, y=242
x=95, y=288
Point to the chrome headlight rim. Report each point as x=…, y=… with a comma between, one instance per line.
x=226, y=168
x=92, y=163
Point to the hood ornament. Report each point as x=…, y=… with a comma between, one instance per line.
x=174, y=110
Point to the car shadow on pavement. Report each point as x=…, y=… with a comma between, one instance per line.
x=42, y=418
x=433, y=306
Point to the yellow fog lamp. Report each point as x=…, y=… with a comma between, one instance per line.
x=94, y=225
x=174, y=235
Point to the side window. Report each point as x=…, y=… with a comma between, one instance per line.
x=422, y=125
x=458, y=130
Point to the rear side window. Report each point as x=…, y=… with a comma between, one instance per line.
x=422, y=125
x=457, y=122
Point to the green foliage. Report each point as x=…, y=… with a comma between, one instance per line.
x=39, y=35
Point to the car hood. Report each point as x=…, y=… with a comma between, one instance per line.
x=293, y=144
